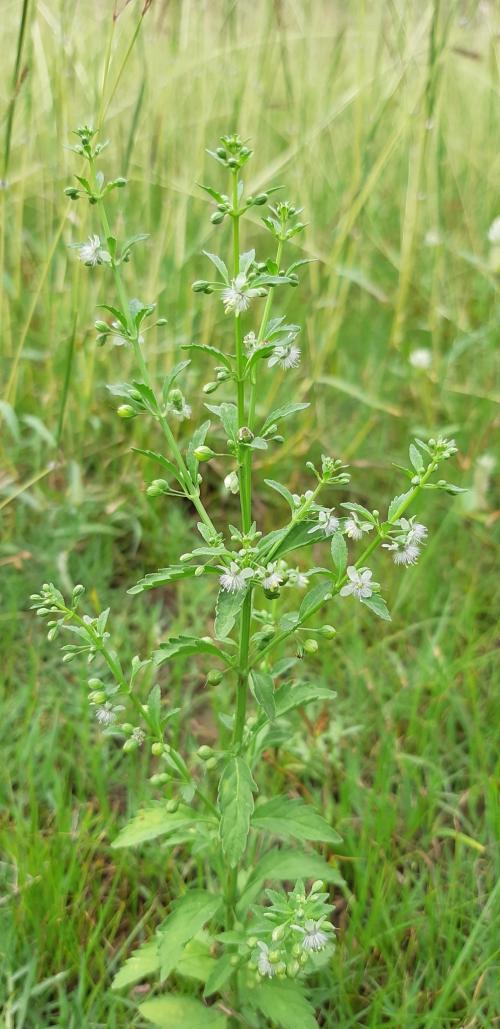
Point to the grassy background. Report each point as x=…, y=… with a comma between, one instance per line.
x=382, y=120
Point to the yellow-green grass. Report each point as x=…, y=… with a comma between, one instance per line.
x=382, y=120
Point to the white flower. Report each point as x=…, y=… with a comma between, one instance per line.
x=235, y=578
x=404, y=553
x=238, y=295
x=494, y=231
x=177, y=405
x=272, y=578
x=354, y=529
x=138, y=736
x=327, y=522
x=263, y=963
x=252, y=344
x=232, y=483
x=314, y=936
x=297, y=578
x=421, y=358
x=360, y=583
x=416, y=532
x=432, y=238
x=286, y=355
x=105, y=714
x=92, y=253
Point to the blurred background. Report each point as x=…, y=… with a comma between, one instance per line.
x=381, y=119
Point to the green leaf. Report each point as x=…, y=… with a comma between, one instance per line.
x=377, y=604
x=143, y=962
x=206, y=348
x=289, y=696
x=283, y=1003
x=235, y=800
x=149, y=823
x=282, y=490
x=228, y=415
x=219, y=264
x=287, y=539
x=162, y=577
x=349, y=506
x=153, y=456
x=227, y=610
x=313, y=598
x=339, y=553
x=283, y=816
x=172, y=1011
x=416, y=458
x=186, y=645
x=220, y=973
x=396, y=504
x=171, y=377
x=262, y=686
x=197, y=440
x=287, y=864
x=188, y=916
x=282, y=412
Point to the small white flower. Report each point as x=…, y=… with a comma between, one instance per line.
x=421, y=358
x=252, y=344
x=432, y=238
x=105, y=714
x=314, y=936
x=138, y=736
x=403, y=553
x=354, y=529
x=232, y=483
x=416, y=532
x=327, y=522
x=272, y=578
x=177, y=405
x=286, y=355
x=238, y=295
x=92, y=253
x=263, y=963
x=297, y=578
x=360, y=583
x=235, y=578
x=494, y=232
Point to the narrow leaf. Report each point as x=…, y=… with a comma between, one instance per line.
x=149, y=823
x=262, y=687
x=377, y=604
x=227, y=609
x=315, y=597
x=339, y=553
x=235, y=801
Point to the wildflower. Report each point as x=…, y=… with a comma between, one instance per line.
x=177, y=405
x=263, y=963
x=232, y=483
x=297, y=578
x=105, y=715
x=327, y=522
x=415, y=531
x=432, y=238
x=92, y=253
x=252, y=344
x=360, y=584
x=238, y=295
x=235, y=578
x=404, y=553
x=354, y=529
x=272, y=578
x=138, y=736
x=494, y=231
x=315, y=937
x=421, y=358
x=286, y=355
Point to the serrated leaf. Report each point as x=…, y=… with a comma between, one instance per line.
x=284, y=411
x=162, y=578
x=228, y=415
x=188, y=916
x=227, y=610
x=212, y=192
x=219, y=974
x=289, y=696
x=282, y=541
x=197, y=440
x=154, y=456
x=235, y=800
x=171, y=377
x=286, y=817
x=396, y=504
x=186, y=645
x=262, y=687
x=143, y=962
x=173, y=1011
x=283, y=1003
x=206, y=348
x=416, y=458
x=350, y=506
x=377, y=604
x=150, y=823
x=313, y=598
x=219, y=264
x=287, y=864
x=339, y=553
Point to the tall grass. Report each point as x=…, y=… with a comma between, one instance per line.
x=384, y=117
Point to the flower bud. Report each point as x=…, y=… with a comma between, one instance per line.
x=204, y=453
x=217, y=217
x=205, y=752
x=97, y=697
x=172, y=806
x=234, y=960
x=211, y=763
x=311, y=646
x=214, y=677
x=245, y=435
x=72, y=192
x=126, y=411
x=161, y=321
x=157, y=748
x=157, y=488
x=127, y=727
x=252, y=942
x=159, y=779
x=328, y=632
x=317, y=886
x=101, y=326
x=278, y=933
x=120, y=182
x=261, y=199
x=221, y=152
x=129, y=745
x=199, y=286
x=210, y=387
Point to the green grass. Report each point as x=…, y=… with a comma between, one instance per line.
x=338, y=100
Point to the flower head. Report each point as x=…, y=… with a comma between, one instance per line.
x=92, y=253
x=232, y=483
x=286, y=355
x=105, y=715
x=327, y=522
x=421, y=358
x=354, y=529
x=403, y=553
x=263, y=963
x=297, y=578
x=315, y=937
x=177, y=405
x=238, y=295
x=360, y=584
x=235, y=578
x=138, y=735
x=272, y=577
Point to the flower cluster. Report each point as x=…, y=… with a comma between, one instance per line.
x=406, y=541
x=290, y=932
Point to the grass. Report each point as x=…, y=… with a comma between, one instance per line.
x=382, y=118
